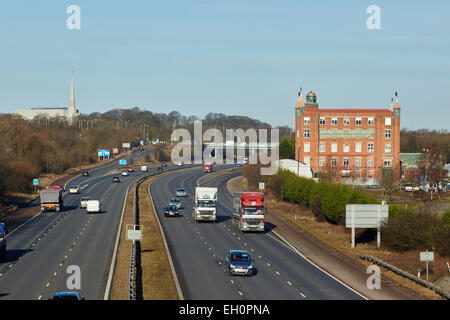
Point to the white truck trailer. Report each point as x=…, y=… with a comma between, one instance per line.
x=205, y=204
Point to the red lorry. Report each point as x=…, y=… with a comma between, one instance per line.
x=248, y=211
x=207, y=167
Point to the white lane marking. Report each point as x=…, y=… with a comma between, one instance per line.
x=48, y=284
x=54, y=273
x=240, y=293
x=277, y=272
x=289, y=283
x=268, y=264
x=302, y=295
x=40, y=297
x=315, y=265
x=232, y=281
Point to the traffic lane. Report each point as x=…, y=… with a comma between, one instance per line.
x=266, y=284
x=198, y=274
x=315, y=283
x=94, y=253
x=25, y=282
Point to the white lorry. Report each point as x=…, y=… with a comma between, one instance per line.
x=144, y=168
x=205, y=204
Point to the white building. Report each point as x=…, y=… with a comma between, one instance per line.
x=301, y=169
x=69, y=113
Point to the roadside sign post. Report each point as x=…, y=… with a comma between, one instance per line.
x=35, y=184
x=427, y=256
x=261, y=186
x=135, y=232
x=365, y=216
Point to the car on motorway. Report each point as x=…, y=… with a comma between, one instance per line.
x=141, y=148
x=408, y=187
x=171, y=211
x=125, y=173
x=83, y=201
x=93, y=206
x=130, y=169
x=164, y=165
x=67, y=296
x=85, y=173
x=3, y=232
x=180, y=163
x=176, y=202
x=160, y=168
x=239, y=262
x=181, y=192
x=74, y=189
x=115, y=179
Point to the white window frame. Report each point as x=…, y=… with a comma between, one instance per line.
x=358, y=147
x=346, y=159
x=322, y=161
x=346, y=121
x=370, y=150
x=387, y=121
x=307, y=147
x=334, y=159
x=358, y=162
x=334, y=121
x=346, y=148
x=370, y=162
x=387, y=161
x=322, y=147
x=334, y=147
x=322, y=120
x=306, y=133
x=370, y=121
x=387, y=134
x=306, y=121
x=387, y=148
x=358, y=119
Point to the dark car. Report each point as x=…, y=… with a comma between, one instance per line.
x=3, y=232
x=163, y=165
x=115, y=179
x=85, y=173
x=67, y=296
x=239, y=262
x=141, y=148
x=171, y=211
x=160, y=168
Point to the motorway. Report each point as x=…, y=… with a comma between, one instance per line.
x=41, y=250
x=198, y=251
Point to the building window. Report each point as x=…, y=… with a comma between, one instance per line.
x=322, y=147
x=358, y=121
x=370, y=121
x=298, y=133
x=346, y=161
x=306, y=147
x=387, y=163
x=387, y=147
x=370, y=147
x=334, y=162
x=306, y=120
x=387, y=133
x=346, y=121
x=334, y=121
x=346, y=148
x=322, y=120
x=387, y=121
x=370, y=162
x=322, y=161
x=357, y=146
x=358, y=162
x=306, y=134
x=370, y=135
x=334, y=147
x=370, y=174
x=307, y=160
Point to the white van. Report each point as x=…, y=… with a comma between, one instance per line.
x=144, y=168
x=93, y=206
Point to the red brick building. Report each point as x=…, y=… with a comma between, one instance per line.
x=359, y=144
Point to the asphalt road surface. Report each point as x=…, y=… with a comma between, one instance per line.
x=198, y=251
x=41, y=250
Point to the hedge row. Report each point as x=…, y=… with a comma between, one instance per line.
x=326, y=200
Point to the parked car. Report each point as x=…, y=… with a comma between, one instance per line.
x=125, y=173
x=177, y=202
x=85, y=173
x=239, y=262
x=93, y=206
x=181, y=192
x=408, y=187
x=67, y=296
x=115, y=179
x=83, y=201
x=74, y=189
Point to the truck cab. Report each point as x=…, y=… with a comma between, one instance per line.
x=248, y=211
x=205, y=204
x=207, y=167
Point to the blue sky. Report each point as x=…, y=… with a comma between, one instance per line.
x=235, y=57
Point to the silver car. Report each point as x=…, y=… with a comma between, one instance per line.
x=83, y=201
x=176, y=202
x=181, y=192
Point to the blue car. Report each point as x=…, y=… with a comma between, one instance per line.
x=239, y=262
x=67, y=296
